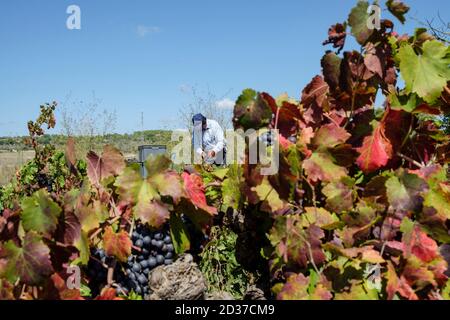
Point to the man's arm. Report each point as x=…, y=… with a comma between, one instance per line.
x=197, y=141
x=218, y=132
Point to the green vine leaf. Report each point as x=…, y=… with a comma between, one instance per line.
x=427, y=73
x=40, y=213
x=358, y=22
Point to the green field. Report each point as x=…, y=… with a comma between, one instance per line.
x=14, y=152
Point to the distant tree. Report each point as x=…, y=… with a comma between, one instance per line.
x=87, y=121
x=208, y=104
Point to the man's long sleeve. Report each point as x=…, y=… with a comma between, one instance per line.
x=220, y=140
x=197, y=141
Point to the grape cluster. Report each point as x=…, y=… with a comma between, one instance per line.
x=97, y=269
x=150, y=249
x=44, y=182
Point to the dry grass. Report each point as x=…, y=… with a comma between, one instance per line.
x=10, y=162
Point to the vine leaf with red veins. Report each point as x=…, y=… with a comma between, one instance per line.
x=321, y=167
x=145, y=194
x=155, y=213
x=375, y=151
x=287, y=114
x=111, y=163
x=117, y=244
x=296, y=244
x=29, y=263
x=314, y=100
x=330, y=135
x=340, y=195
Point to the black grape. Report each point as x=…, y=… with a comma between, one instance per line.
x=147, y=240
x=139, y=243
x=152, y=262
x=167, y=240
x=169, y=255
x=159, y=244
x=156, y=249
x=142, y=279
x=136, y=267
x=160, y=259
x=158, y=236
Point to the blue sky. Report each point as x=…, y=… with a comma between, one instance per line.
x=140, y=56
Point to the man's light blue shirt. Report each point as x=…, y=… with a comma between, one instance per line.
x=212, y=138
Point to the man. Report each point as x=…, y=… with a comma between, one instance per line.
x=208, y=139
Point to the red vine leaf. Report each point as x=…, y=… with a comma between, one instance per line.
x=295, y=288
x=117, y=244
x=108, y=294
x=375, y=151
x=315, y=92
x=398, y=9
x=330, y=135
x=195, y=190
x=30, y=263
x=336, y=36
x=6, y=290
x=111, y=163
x=418, y=243
x=61, y=286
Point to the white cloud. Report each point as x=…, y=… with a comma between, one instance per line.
x=185, y=88
x=225, y=103
x=142, y=31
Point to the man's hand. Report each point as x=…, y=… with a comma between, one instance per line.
x=211, y=154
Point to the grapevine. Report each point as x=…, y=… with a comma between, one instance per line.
x=358, y=189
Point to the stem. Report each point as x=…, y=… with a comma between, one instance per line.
x=110, y=277
x=355, y=85
x=276, y=118
x=331, y=119
x=414, y=162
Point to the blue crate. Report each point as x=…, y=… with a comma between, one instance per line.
x=148, y=151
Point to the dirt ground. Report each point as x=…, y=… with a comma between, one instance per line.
x=10, y=162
